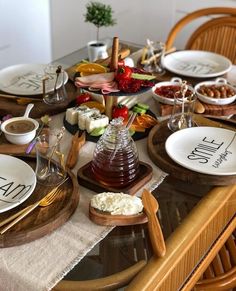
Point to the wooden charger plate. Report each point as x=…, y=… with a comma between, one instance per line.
x=156, y=150
x=104, y=218
x=42, y=220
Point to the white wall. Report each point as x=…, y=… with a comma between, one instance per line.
x=137, y=20
x=39, y=31
x=24, y=32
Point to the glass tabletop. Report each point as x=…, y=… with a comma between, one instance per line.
x=126, y=245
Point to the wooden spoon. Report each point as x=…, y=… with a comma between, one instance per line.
x=151, y=206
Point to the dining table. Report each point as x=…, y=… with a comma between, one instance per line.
x=194, y=217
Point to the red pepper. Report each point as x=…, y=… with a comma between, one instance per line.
x=120, y=111
x=121, y=63
x=82, y=98
x=123, y=72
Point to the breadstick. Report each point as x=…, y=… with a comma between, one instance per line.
x=114, y=54
x=123, y=53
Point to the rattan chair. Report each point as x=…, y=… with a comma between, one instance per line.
x=221, y=272
x=216, y=35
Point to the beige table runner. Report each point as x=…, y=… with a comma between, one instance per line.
x=41, y=264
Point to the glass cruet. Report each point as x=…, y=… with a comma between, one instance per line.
x=183, y=109
x=115, y=160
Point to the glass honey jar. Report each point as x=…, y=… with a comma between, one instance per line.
x=115, y=160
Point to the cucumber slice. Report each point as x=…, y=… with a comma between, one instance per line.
x=143, y=76
x=142, y=106
x=138, y=110
x=131, y=132
x=97, y=131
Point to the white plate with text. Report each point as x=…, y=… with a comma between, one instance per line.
x=198, y=64
x=207, y=150
x=17, y=182
x=26, y=79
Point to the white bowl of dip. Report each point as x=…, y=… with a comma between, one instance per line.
x=20, y=130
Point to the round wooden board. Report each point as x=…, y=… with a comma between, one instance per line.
x=158, y=154
x=42, y=220
x=10, y=106
x=103, y=218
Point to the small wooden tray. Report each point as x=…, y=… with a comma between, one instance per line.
x=104, y=218
x=158, y=154
x=86, y=179
x=42, y=220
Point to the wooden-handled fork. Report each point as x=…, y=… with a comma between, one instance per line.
x=151, y=206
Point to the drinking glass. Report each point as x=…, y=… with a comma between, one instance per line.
x=50, y=164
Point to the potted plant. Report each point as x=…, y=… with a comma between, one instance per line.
x=99, y=15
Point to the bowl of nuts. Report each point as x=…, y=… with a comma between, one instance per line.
x=216, y=92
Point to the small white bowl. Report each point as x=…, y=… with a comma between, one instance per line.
x=20, y=138
x=212, y=100
x=167, y=100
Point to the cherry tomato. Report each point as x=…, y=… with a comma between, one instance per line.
x=120, y=111
x=82, y=98
x=123, y=72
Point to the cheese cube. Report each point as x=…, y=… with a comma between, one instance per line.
x=96, y=121
x=72, y=114
x=84, y=115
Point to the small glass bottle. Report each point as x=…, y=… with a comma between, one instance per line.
x=115, y=160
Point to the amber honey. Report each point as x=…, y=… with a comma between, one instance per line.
x=115, y=161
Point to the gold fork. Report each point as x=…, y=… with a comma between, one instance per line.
x=46, y=201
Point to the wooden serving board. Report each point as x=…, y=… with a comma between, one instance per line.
x=216, y=110
x=10, y=106
x=42, y=220
x=8, y=148
x=158, y=154
x=104, y=218
x=87, y=179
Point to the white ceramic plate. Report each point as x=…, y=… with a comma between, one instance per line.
x=215, y=101
x=167, y=100
x=26, y=79
x=207, y=150
x=198, y=64
x=17, y=182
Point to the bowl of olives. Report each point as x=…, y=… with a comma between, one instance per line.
x=216, y=92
